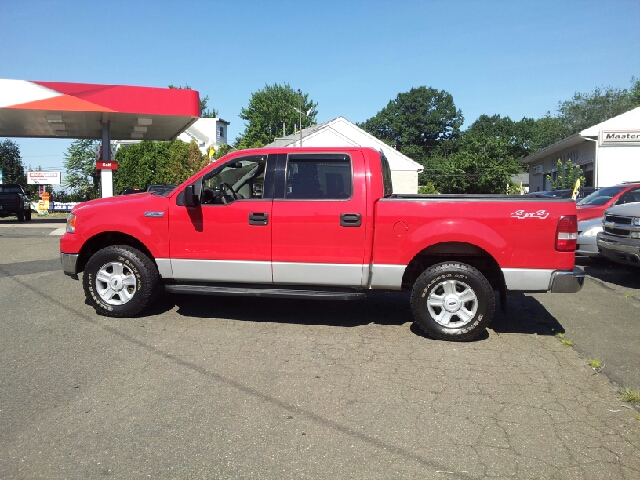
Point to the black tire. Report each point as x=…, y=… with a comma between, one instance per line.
x=20, y=216
x=452, y=301
x=27, y=215
x=120, y=281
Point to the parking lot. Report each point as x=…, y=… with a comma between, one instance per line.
x=214, y=387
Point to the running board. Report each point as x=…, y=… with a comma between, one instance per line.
x=264, y=292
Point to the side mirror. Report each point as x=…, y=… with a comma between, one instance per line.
x=190, y=197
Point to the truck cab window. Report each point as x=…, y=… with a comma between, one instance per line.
x=319, y=179
x=240, y=179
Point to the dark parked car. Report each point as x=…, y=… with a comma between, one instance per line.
x=129, y=191
x=583, y=192
x=14, y=201
x=161, y=189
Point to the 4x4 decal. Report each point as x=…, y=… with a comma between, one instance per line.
x=520, y=214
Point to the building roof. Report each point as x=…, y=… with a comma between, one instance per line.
x=626, y=121
x=78, y=110
x=340, y=132
x=522, y=178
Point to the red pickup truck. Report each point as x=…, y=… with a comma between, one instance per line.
x=321, y=223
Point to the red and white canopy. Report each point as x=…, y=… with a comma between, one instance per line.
x=79, y=110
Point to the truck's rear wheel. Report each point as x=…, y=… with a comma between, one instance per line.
x=452, y=301
x=20, y=216
x=27, y=215
x=120, y=281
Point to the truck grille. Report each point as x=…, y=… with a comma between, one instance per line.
x=618, y=232
x=618, y=226
x=618, y=219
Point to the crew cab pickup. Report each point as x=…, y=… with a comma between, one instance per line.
x=620, y=238
x=321, y=223
x=14, y=201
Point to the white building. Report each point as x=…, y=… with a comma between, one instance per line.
x=608, y=153
x=206, y=132
x=339, y=132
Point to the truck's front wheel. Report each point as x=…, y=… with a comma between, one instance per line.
x=120, y=281
x=452, y=301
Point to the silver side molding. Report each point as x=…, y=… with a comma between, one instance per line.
x=164, y=268
x=528, y=279
x=387, y=277
x=221, y=271
x=330, y=274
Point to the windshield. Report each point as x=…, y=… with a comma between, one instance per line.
x=601, y=196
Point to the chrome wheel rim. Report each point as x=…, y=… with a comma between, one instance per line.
x=452, y=303
x=116, y=283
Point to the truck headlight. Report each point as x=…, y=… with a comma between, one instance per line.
x=71, y=224
x=635, y=235
x=635, y=221
x=593, y=231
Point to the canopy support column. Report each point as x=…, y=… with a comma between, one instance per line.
x=106, y=176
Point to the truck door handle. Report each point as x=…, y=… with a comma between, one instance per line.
x=258, y=218
x=350, y=220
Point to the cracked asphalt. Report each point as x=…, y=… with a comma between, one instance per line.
x=213, y=387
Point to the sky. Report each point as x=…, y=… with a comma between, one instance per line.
x=511, y=58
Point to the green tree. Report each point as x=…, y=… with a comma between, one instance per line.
x=582, y=111
x=204, y=111
x=269, y=109
x=417, y=122
x=147, y=163
x=587, y=109
x=222, y=150
x=635, y=91
x=477, y=164
x=11, y=163
x=82, y=179
x=546, y=131
x=567, y=175
x=516, y=135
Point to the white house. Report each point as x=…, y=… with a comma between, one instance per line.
x=206, y=132
x=608, y=153
x=339, y=132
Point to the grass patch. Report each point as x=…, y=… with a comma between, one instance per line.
x=595, y=363
x=563, y=340
x=638, y=417
x=628, y=295
x=630, y=395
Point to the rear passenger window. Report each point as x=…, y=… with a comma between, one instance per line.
x=318, y=178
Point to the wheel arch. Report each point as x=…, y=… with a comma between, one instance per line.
x=462, y=252
x=105, y=239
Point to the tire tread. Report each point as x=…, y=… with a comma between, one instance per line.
x=463, y=334
x=149, y=278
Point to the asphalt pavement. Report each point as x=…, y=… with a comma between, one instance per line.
x=214, y=387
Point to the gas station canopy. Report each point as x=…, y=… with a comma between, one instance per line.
x=81, y=110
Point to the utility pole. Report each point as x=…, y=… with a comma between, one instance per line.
x=300, y=113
